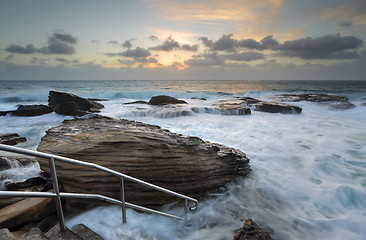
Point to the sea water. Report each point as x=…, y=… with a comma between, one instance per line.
x=309, y=169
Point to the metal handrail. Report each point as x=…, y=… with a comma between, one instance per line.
x=58, y=195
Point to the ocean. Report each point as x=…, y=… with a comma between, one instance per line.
x=309, y=169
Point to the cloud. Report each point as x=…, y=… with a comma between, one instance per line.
x=245, y=56
x=131, y=53
x=325, y=47
x=113, y=42
x=225, y=43
x=168, y=45
x=127, y=44
x=153, y=38
x=228, y=44
x=64, y=37
x=62, y=60
x=188, y=47
x=345, y=24
x=58, y=43
x=29, y=49
x=94, y=41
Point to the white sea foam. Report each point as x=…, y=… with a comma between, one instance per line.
x=308, y=179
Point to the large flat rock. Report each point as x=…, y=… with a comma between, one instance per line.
x=184, y=164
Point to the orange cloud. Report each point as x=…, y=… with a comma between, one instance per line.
x=353, y=12
x=239, y=12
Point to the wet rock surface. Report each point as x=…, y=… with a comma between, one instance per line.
x=241, y=106
x=28, y=111
x=165, y=100
x=184, y=164
x=251, y=231
x=11, y=139
x=70, y=104
x=334, y=101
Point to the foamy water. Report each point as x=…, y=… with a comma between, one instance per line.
x=309, y=170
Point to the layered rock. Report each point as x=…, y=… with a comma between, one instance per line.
x=28, y=110
x=251, y=231
x=70, y=104
x=184, y=164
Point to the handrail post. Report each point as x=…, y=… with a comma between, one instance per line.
x=58, y=197
x=185, y=209
x=123, y=200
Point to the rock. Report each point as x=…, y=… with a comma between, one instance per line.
x=98, y=99
x=165, y=100
x=184, y=164
x=70, y=104
x=251, y=231
x=35, y=234
x=25, y=211
x=312, y=98
x=15, y=162
x=85, y=233
x=56, y=234
x=11, y=139
x=274, y=107
x=233, y=107
x=334, y=101
x=363, y=104
x=241, y=106
x=28, y=110
x=5, y=234
x=136, y=102
x=30, y=182
x=198, y=98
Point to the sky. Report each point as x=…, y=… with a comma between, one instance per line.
x=183, y=40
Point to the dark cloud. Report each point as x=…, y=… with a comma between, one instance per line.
x=113, y=42
x=59, y=43
x=131, y=53
x=127, y=44
x=225, y=43
x=228, y=44
x=188, y=47
x=206, y=59
x=62, y=60
x=168, y=45
x=136, y=53
x=153, y=38
x=29, y=49
x=64, y=37
x=326, y=47
x=245, y=56
x=345, y=24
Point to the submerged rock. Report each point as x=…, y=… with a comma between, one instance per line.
x=70, y=104
x=28, y=111
x=334, y=101
x=274, y=107
x=165, y=100
x=251, y=231
x=233, y=107
x=241, y=106
x=11, y=139
x=184, y=164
